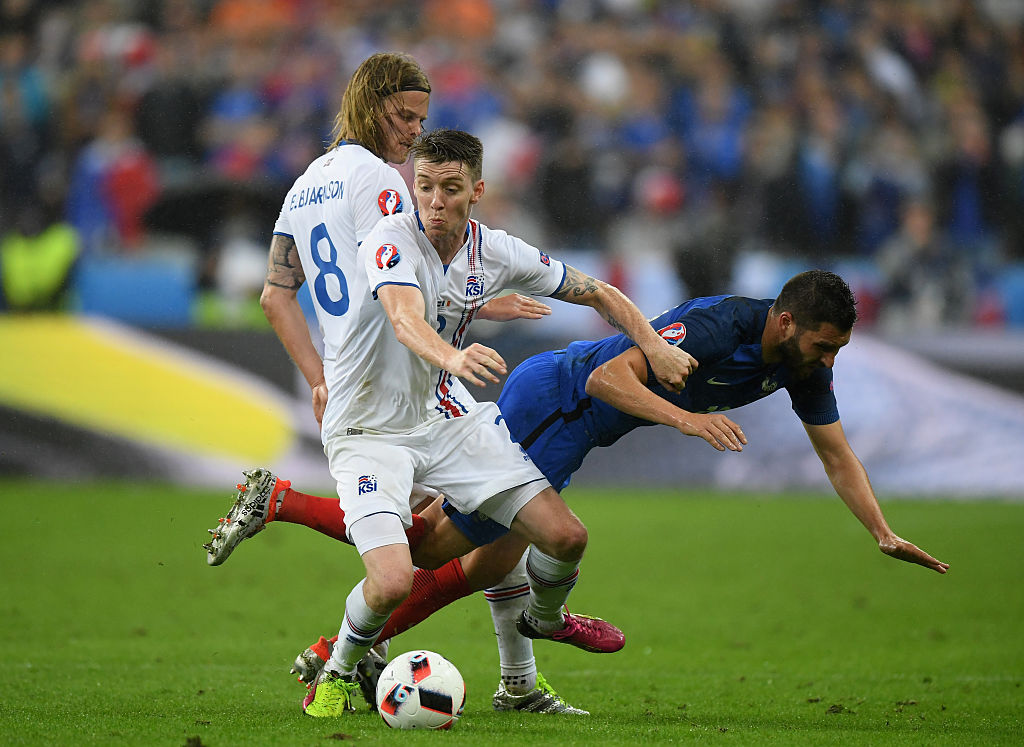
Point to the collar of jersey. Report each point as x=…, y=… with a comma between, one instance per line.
x=419, y=223
x=353, y=142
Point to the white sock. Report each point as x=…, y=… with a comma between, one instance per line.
x=515, y=652
x=381, y=648
x=551, y=581
x=359, y=631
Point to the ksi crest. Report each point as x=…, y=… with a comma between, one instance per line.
x=474, y=286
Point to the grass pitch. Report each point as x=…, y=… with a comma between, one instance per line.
x=749, y=620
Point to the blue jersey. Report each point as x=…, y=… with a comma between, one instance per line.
x=549, y=412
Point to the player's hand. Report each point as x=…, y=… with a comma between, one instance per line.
x=714, y=428
x=899, y=548
x=319, y=401
x=671, y=366
x=513, y=306
x=477, y=361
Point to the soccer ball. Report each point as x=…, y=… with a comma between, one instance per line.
x=420, y=690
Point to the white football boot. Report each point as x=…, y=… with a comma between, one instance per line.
x=247, y=515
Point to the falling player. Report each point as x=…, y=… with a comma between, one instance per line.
x=420, y=423
x=562, y=404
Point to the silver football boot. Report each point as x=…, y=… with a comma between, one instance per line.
x=247, y=515
x=541, y=699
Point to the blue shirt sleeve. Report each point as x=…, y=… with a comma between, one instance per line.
x=704, y=327
x=814, y=399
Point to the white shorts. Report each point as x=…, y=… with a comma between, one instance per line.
x=470, y=459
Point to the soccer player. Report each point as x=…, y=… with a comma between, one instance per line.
x=396, y=413
x=352, y=186
x=559, y=405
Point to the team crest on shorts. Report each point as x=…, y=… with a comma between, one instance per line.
x=388, y=256
x=389, y=202
x=367, y=484
x=673, y=333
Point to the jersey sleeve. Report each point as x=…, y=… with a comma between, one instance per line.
x=704, y=332
x=530, y=270
x=283, y=225
x=708, y=328
x=374, y=193
x=814, y=399
x=390, y=256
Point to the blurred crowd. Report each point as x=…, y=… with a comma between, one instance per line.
x=676, y=140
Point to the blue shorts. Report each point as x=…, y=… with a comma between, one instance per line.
x=478, y=529
x=556, y=440
x=552, y=433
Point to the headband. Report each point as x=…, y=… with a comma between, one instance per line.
x=410, y=87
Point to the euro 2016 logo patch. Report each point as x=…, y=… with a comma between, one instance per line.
x=544, y=259
x=388, y=256
x=474, y=286
x=673, y=333
x=367, y=484
x=389, y=202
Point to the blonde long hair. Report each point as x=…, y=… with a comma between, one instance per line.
x=362, y=115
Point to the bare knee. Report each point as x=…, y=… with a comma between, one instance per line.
x=568, y=543
x=551, y=526
x=385, y=592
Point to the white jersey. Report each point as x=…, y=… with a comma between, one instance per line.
x=327, y=213
x=376, y=384
x=379, y=385
x=490, y=263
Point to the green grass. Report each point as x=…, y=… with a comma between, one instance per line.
x=749, y=620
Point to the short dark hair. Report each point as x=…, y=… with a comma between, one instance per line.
x=817, y=297
x=451, y=146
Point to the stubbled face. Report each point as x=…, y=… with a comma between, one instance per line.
x=405, y=113
x=445, y=194
x=807, y=350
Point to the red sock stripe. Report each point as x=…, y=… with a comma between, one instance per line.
x=509, y=592
x=569, y=580
x=370, y=635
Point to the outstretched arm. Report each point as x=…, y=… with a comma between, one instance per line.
x=281, y=307
x=405, y=307
x=670, y=364
x=513, y=306
x=850, y=481
x=622, y=383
